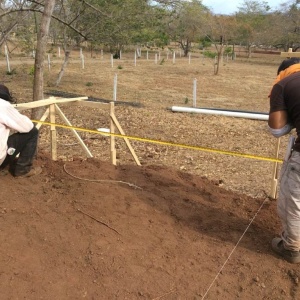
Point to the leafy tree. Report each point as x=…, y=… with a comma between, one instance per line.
x=188, y=23
x=251, y=19
x=285, y=27
x=220, y=31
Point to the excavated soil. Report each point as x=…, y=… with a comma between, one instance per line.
x=186, y=224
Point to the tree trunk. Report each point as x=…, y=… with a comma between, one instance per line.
x=186, y=50
x=38, y=84
x=249, y=51
x=62, y=70
x=219, y=58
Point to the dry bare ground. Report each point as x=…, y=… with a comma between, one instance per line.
x=180, y=229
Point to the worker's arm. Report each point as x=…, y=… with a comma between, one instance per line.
x=278, y=123
x=12, y=119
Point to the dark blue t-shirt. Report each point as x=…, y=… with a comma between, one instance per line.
x=285, y=95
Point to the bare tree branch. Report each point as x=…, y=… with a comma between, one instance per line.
x=41, y=11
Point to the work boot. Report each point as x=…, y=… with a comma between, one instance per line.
x=292, y=257
x=33, y=171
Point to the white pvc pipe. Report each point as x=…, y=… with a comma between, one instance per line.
x=7, y=58
x=115, y=87
x=112, y=60
x=195, y=93
x=82, y=61
x=49, y=62
x=255, y=116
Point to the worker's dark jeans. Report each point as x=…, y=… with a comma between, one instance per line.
x=25, y=145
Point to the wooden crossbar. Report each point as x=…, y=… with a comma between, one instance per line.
x=45, y=102
x=290, y=53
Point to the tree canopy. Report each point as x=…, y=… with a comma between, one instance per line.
x=117, y=23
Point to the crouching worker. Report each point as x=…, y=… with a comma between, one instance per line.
x=23, y=142
x=284, y=116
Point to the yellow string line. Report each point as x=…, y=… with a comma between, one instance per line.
x=205, y=149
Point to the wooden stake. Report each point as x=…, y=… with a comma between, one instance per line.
x=77, y=136
x=53, y=132
x=275, y=172
x=43, y=118
x=113, y=153
x=116, y=122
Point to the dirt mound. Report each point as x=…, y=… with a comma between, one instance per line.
x=88, y=229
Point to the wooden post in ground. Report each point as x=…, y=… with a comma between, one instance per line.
x=275, y=172
x=113, y=152
x=53, y=132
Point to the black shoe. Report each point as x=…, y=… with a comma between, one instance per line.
x=291, y=256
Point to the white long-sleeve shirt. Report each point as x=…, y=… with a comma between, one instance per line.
x=10, y=118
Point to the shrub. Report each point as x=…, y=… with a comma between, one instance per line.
x=209, y=54
x=228, y=50
x=31, y=71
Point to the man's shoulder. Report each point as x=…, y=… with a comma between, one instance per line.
x=292, y=77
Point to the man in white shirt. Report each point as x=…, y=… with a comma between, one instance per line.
x=23, y=142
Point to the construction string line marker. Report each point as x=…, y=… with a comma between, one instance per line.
x=234, y=248
x=135, y=138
